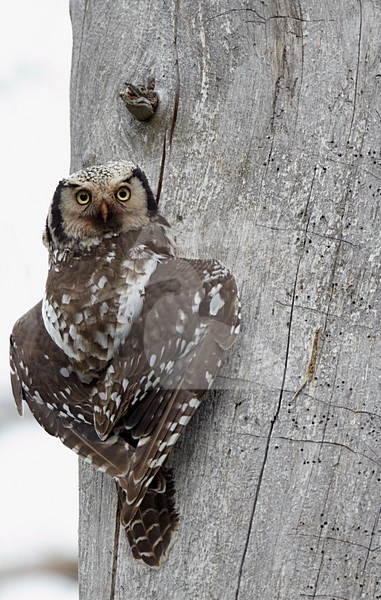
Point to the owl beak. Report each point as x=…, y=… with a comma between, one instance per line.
x=104, y=210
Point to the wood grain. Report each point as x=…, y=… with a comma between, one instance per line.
x=267, y=138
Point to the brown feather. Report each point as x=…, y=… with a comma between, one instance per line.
x=116, y=358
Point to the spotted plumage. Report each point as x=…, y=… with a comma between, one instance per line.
x=115, y=358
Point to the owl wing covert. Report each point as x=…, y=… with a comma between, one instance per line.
x=185, y=301
x=190, y=317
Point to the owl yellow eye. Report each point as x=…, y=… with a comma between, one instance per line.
x=123, y=194
x=83, y=197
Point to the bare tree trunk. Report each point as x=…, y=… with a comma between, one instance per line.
x=266, y=147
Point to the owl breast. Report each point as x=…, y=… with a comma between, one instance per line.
x=92, y=299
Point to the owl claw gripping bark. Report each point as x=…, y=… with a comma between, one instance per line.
x=115, y=358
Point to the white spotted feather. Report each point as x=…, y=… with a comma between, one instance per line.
x=115, y=359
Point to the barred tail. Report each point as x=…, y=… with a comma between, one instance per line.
x=150, y=533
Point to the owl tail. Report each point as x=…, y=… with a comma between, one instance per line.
x=150, y=533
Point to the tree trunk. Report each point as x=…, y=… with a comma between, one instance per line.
x=266, y=150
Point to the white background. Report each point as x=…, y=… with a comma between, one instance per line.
x=38, y=498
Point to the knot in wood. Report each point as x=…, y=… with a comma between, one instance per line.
x=141, y=100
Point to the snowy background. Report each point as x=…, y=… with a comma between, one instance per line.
x=38, y=502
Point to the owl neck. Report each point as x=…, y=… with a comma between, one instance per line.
x=76, y=247
x=155, y=235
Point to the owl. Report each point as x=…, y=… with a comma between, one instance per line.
x=116, y=357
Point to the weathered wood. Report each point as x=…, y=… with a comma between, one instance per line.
x=268, y=140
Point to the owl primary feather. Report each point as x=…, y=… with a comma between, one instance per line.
x=116, y=357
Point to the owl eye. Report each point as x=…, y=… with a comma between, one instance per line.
x=83, y=197
x=123, y=194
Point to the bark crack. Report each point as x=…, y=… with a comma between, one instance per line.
x=269, y=436
x=341, y=407
x=281, y=393
x=177, y=72
x=316, y=583
x=175, y=106
x=115, y=551
x=233, y=10
x=318, y=576
x=357, y=72
x=331, y=538
x=301, y=71
x=369, y=547
x=263, y=20
x=162, y=167
x=329, y=596
x=324, y=442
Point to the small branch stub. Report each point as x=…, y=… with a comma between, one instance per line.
x=141, y=100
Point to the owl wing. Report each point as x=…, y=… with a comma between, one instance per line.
x=41, y=375
x=190, y=317
x=147, y=395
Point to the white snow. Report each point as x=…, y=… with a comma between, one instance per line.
x=38, y=516
x=39, y=502
x=39, y=588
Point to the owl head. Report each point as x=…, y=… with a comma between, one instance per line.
x=96, y=202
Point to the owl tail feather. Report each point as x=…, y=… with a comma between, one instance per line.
x=150, y=533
